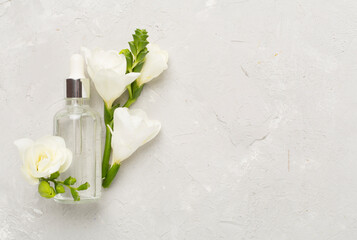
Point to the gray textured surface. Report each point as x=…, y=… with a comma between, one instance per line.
x=257, y=107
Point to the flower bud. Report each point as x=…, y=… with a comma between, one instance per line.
x=75, y=195
x=54, y=175
x=70, y=181
x=59, y=188
x=84, y=186
x=46, y=190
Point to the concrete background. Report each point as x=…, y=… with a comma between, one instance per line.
x=257, y=107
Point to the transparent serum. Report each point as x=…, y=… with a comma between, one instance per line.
x=80, y=126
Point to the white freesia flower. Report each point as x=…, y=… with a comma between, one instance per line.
x=43, y=157
x=155, y=64
x=132, y=129
x=107, y=70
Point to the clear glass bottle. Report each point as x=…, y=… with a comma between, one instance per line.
x=80, y=126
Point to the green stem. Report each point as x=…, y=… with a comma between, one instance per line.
x=108, y=114
x=108, y=120
x=134, y=64
x=129, y=102
x=108, y=175
x=57, y=182
x=111, y=175
x=107, y=150
x=130, y=91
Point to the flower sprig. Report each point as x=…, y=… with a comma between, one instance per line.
x=112, y=73
x=132, y=129
x=135, y=59
x=43, y=162
x=47, y=191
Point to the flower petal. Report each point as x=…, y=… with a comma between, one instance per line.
x=68, y=161
x=132, y=129
x=155, y=64
x=107, y=70
x=99, y=59
x=110, y=85
x=43, y=157
x=32, y=180
x=53, y=142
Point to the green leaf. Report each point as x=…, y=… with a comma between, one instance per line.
x=136, y=39
x=142, y=45
x=46, y=190
x=142, y=55
x=75, y=194
x=54, y=175
x=138, y=67
x=70, y=181
x=140, y=41
x=128, y=57
x=116, y=106
x=136, y=93
x=60, y=188
x=108, y=114
x=84, y=186
x=141, y=33
x=136, y=89
x=111, y=175
x=137, y=60
x=133, y=48
x=136, y=55
x=129, y=91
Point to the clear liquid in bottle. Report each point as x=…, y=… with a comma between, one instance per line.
x=80, y=127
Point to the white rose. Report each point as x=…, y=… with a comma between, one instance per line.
x=43, y=157
x=155, y=64
x=132, y=129
x=107, y=70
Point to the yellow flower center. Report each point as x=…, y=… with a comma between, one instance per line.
x=42, y=156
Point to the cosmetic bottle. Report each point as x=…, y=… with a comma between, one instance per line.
x=80, y=126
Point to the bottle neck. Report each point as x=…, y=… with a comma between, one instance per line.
x=77, y=101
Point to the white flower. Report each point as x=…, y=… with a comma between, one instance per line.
x=107, y=70
x=132, y=129
x=43, y=157
x=155, y=64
